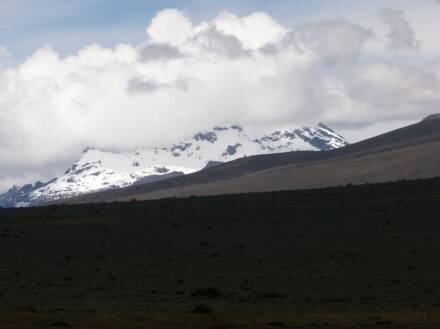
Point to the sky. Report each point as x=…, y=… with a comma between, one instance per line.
x=116, y=74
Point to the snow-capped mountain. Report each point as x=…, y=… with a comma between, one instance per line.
x=100, y=170
x=18, y=196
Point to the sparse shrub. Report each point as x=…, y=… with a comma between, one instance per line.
x=205, y=244
x=276, y=324
x=209, y=292
x=202, y=309
x=351, y=255
x=274, y=295
x=60, y=324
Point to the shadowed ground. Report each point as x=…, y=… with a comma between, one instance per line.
x=349, y=257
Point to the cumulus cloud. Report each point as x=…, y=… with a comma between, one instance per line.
x=187, y=77
x=140, y=86
x=336, y=41
x=159, y=52
x=401, y=35
x=216, y=42
x=386, y=91
x=170, y=26
x=254, y=31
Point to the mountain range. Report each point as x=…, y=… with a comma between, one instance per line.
x=411, y=152
x=103, y=171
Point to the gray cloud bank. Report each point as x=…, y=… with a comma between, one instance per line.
x=401, y=35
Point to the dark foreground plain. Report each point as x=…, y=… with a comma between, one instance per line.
x=346, y=257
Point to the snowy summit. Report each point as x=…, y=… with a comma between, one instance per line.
x=100, y=170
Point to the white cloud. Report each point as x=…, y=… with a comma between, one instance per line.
x=170, y=26
x=401, y=35
x=214, y=41
x=187, y=77
x=254, y=31
x=378, y=92
x=336, y=41
x=159, y=52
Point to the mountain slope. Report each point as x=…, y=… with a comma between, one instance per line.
x=409, y=152
x=414, y=162
x=99, y=170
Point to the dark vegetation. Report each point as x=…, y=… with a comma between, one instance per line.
x=346, y=257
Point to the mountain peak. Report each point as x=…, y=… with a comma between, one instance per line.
x=99, y=170
x=88, y=149
x=323, y=126
x=212, y=135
